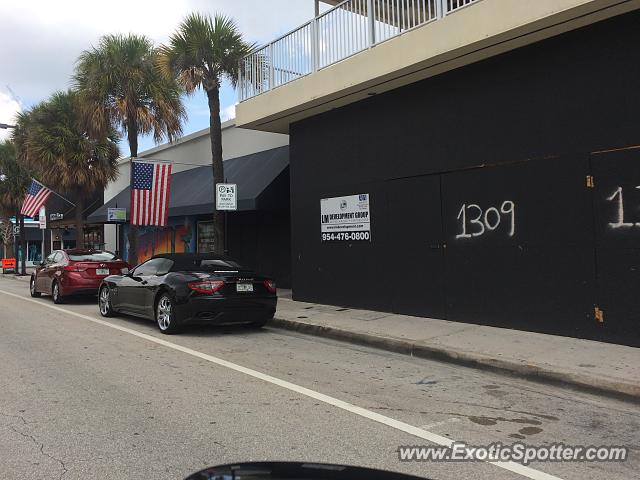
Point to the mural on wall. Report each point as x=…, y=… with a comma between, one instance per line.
x=178, y=237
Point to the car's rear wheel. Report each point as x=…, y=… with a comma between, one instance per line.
x=104, y=302
x=32, y=288
x=166, y=317
x=55, y=293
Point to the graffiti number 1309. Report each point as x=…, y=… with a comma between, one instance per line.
x=476, y=222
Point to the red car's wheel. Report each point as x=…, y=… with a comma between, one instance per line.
x=55, y=293
x=32, y=287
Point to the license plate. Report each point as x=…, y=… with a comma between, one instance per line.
x=244, y=287
x=102, y=271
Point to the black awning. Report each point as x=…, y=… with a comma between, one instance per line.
x=192, y=192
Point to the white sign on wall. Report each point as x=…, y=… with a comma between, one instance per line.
x=117, y=215
x=345, y=219
x=226, y=196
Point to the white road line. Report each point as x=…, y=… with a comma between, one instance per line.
x=349, y=407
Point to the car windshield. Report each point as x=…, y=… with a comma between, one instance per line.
x=206, y=264
x=220, y=265
x=91, y=256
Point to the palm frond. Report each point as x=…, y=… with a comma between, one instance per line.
x=120, y=85
x=13, y=189
x=51, y=138
x=203, y=51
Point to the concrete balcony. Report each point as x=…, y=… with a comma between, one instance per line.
x=361, y=48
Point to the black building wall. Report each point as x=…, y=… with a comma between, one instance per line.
x=261, y=239
x=517, y=135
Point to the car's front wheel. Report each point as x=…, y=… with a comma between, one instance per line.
x=32, y=288
x=104, y=302
x=166, y=317
x=55, y=293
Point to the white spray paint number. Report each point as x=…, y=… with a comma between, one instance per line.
x=620, y=223
x=480, y=221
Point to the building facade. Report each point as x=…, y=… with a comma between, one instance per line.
x=258, y=233
x=500, y=174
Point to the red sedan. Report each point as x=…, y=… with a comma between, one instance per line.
x=75, y=272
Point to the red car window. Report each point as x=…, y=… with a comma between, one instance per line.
x=91, y=256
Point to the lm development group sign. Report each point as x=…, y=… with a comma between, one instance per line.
x=345, y=219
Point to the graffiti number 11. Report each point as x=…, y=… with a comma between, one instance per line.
x=620, y=210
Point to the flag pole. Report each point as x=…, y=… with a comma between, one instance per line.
x=54, y=192
x=130, y=233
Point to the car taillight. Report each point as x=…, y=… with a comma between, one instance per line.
x=271, y=285
x=206, y=286
x=74, y=268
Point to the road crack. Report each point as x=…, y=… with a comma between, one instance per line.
x=40, y=447
x=24, y=422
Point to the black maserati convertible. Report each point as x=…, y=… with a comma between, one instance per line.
x=175, y=289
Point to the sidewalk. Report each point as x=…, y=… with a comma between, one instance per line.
x=12, y=276
x=588, y=365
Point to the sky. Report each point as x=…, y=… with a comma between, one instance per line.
x=41, y=39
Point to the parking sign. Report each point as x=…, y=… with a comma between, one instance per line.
x=226, y=196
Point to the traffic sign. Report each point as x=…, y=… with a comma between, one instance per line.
x=42, y=218
x=226, y=196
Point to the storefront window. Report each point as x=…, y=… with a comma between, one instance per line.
x=93, y=239
x=205, y=237
x=34, y=251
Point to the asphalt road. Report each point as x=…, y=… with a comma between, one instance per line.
x=85, y=398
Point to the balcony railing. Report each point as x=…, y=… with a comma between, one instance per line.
x=348, y=28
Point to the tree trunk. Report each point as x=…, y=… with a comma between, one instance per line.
x=215, y=133
x=132, y=234
x=132, y=137
x=16, y=243
x=7, y=236
x=23, y=248
x=79, y=221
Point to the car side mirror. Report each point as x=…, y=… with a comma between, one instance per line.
x=42, y=263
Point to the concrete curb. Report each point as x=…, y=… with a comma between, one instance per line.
x=11, y=276
x=598, y=385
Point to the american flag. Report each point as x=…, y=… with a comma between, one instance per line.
x=36, y=196
x=150, y=193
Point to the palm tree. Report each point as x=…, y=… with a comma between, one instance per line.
x=119, y=86
x=51, y=139
x=13, y=188
x=202, y=52
x=15, y=180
